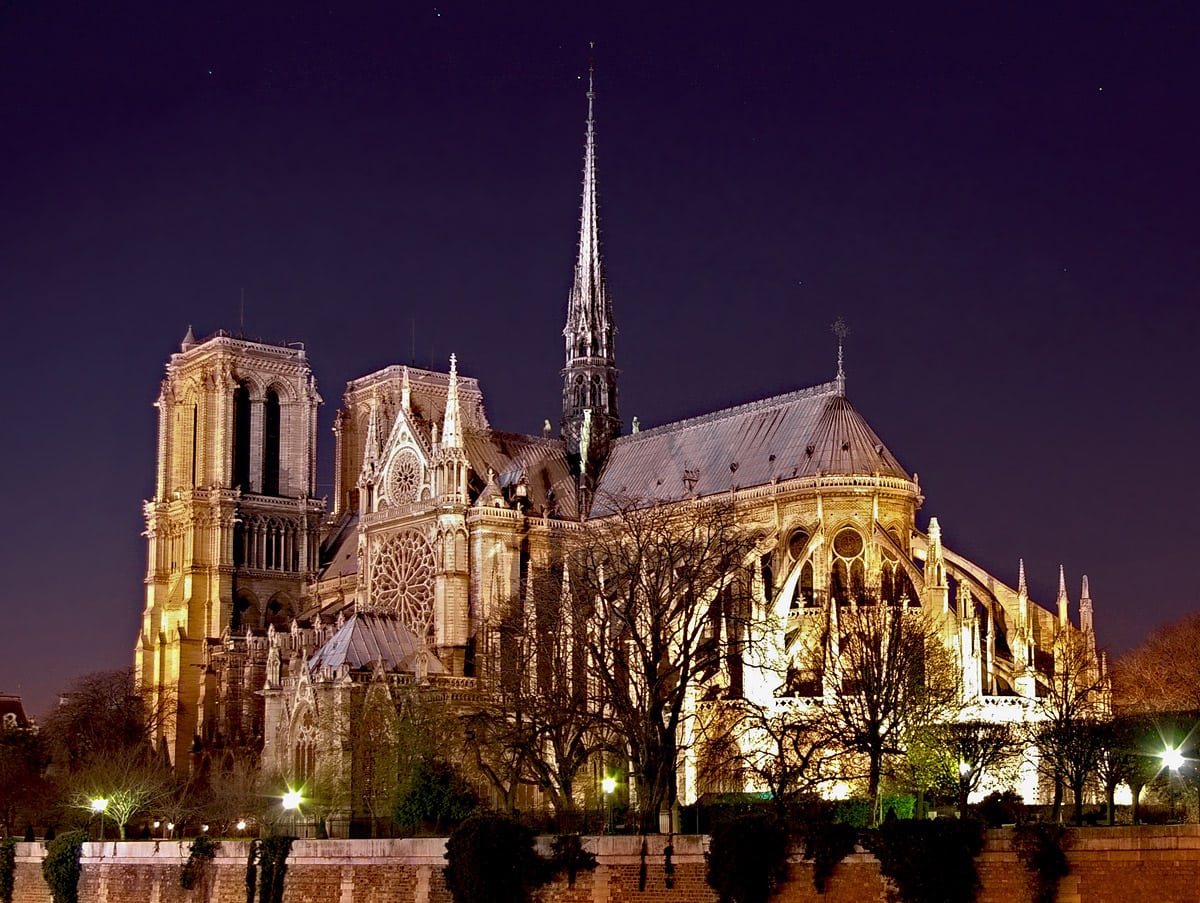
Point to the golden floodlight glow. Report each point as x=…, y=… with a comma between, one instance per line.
x=1172, y=758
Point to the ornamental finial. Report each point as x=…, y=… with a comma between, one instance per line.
x=841, y=330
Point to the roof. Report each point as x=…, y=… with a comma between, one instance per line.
x=369, y=637
x=12, y=712
x=808, y=432
x=543, y=462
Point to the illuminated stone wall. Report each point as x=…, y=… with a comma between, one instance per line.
x=1108, y=865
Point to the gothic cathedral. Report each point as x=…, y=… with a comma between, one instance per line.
x=265, y=608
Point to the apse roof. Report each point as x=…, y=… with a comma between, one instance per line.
x=803, y=433
x=369, y=637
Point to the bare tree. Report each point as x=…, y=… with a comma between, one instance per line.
x=235, y=794
x=977, y=748
x=1074, y=702
x=654, y=584
x=1163, y=673
x=781, y=747
x=887, y=673
x=99, y=716
x=119, y=787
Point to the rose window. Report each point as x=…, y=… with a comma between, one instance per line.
x=402, y=580
x=404, y=477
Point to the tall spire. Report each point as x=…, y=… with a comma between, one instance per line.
x=452, y=423
x=1063, y=599
x=590, y=371
x=1022, y=587
x=1086, y=623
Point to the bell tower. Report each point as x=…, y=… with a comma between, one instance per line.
x=232, y=529
x=589, y=408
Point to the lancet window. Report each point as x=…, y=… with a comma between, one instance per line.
x=271, y=433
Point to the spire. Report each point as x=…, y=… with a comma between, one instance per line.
x=405, y=392
x=1085, y=609
x=452, y=423
x=1063, y=600
x=590, y=371
x=189, y=340
x=1022, y=588
x=841, y=330
x=370, y=464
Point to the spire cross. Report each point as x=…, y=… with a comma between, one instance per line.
x=841, y=330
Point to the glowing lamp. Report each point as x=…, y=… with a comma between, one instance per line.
x=608, y=785
x=291, y=799
x=99, y=804
x=241, y=825
x=1173, y=759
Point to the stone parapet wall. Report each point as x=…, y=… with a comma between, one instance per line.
x=1108, y=865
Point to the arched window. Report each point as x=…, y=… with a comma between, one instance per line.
x=241, y=438
x=270, y=464
x=597, y=395
x=848, y=576
x=245, y=614
x=279, y=612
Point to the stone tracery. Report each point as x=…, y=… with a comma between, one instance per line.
x=402, y=579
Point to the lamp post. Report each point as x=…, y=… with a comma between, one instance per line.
x=291, y=803
x=99, y=804
x=964, y=782
x=608, y=785
x=1172, y=759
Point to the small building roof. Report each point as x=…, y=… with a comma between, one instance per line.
x=370, y=637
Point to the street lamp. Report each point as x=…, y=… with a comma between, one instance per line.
x=99, y=804
x=1172, y=759
x=608, y=785
x=291, y=803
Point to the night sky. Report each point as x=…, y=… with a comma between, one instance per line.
x=1003, y=206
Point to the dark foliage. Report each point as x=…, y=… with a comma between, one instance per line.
x=272, y=866
x=642, y=867
x=491, y=859
x=436, y=797
x=827, y=843
x=60, y=868
x=747, y=859
x=8, y=868
x=568, y=855
x=1040, y=847
x=201, y=852
x=930, y=861
x=999, y=808
x=251, y=871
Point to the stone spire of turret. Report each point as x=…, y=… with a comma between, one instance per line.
x=370, y=463
x=452, y=422
x=1063, y=600
x=189, y=340
x=1022, y=587
x=405, y=391
x=1085, y=609
x=590, y=371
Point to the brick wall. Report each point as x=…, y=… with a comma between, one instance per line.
x=1108, y=865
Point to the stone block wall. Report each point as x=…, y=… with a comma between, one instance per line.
x=1108, y=865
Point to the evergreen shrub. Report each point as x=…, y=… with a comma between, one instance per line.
x=491, y=859
x=747, y=859
x=61, y=869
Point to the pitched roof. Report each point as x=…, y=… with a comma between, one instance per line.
x=368, y=637
x=543, y=462
x=803, y=433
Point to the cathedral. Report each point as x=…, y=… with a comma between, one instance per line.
x=268, y=608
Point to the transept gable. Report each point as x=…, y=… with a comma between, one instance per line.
x=406, y=475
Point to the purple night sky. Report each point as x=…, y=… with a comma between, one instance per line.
x=1003, y=205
